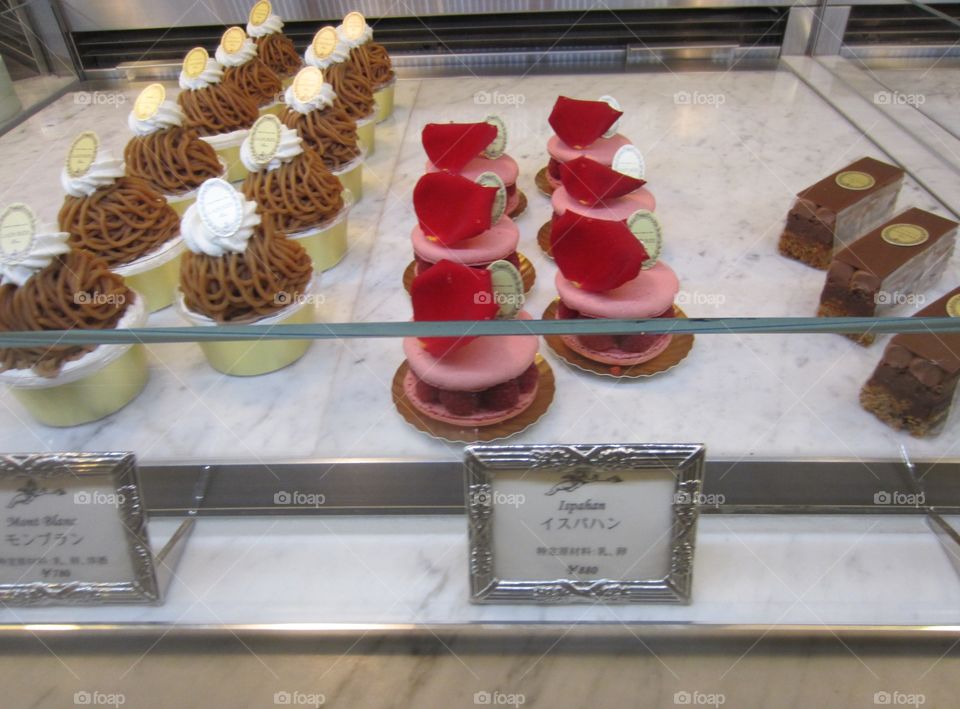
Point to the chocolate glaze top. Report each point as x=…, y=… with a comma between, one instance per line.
x=941, y=348
x=873, y=254
x=827, y=193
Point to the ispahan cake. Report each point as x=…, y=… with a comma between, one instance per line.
x=903, y=257
x=594, y=190
x=839, y=209
x=463, y=221
x=471, y=149
x=915, y=382
x=274, y=48
x=583, y=129
x=468, y=381
x=606, y=271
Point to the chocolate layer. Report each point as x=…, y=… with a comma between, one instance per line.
x=915, y=382
x=829, y=215
x=876, y=271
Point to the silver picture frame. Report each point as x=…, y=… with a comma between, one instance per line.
x=582, y=464
x=53, y=473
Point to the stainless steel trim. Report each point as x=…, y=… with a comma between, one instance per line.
x=360, y=637
x=829, y=30
x=404, y=486
x=796, y=37
x=898, y=51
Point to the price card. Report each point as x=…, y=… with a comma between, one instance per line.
x=73, y=531
x=324, y=42
x=582, y=523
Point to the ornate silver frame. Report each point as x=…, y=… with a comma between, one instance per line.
x=685, y=461
x=118, y=470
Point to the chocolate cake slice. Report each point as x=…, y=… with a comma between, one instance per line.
x=915, y=383
x=901, y=258
x=838, y=209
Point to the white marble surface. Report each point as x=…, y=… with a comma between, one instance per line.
x=778, y=570
x=724, y=176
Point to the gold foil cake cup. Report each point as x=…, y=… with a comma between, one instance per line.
x=90, y=388
x=252, y=358
x=156, y=275
x=384, y=100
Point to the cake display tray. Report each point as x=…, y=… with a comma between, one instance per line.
x=724, y=174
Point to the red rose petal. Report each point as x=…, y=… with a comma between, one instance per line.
x=450, y=146
x=591, y=182
x=596, y=254
x=452, y=291
x=452, y=208
x=580, y=123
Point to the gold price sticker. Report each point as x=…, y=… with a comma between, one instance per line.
x=953, y=306
x=260, y=12
x=233, y=40
x=324, y=42
x=492, y=179
x=307, y=84
x=195, y=62
x=499, y=144
x=905, y=235
x=265, y=138
x=18, y=226
x=855, y=180
x=507, y=286
x=644, y=225
x=82, y=153
x=148, y=102
x=354, y=25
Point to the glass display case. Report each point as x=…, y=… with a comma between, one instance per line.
x=325, y=519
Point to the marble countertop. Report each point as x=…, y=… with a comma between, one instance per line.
x=725, y=154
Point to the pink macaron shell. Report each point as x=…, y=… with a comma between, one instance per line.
x=505, y=167
x=497, y=242
x=617, y=357
x=617, y=209
x=646, y=296
x=438, y=411
x=481, y=364
x=602, y=150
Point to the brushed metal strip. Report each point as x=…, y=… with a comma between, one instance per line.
x=400, y=486
x=593, y=638
x=898, y=51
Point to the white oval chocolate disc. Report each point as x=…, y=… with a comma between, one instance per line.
x=82, y=153
x=220, y=207
x=499, y=144
x=353, y=25
x=324, y=42
x=148, y=102
x=233, y=39
x=646, y=227
x=507, y=284
x=615, y=105
x=492, y=179
x=260, y=12
x=307, y=84
x=629, y=161
x=265, y=138
x=195, y=62
x=18, y=226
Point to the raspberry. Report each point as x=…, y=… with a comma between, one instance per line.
x=514, y=259
x=421, y=265
x=528, y=380
x=501, y=397
x=638, y=343
x=600, y=343
x=565, y=312
x=459, y=403
x=553, y=168
x=426, y=392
